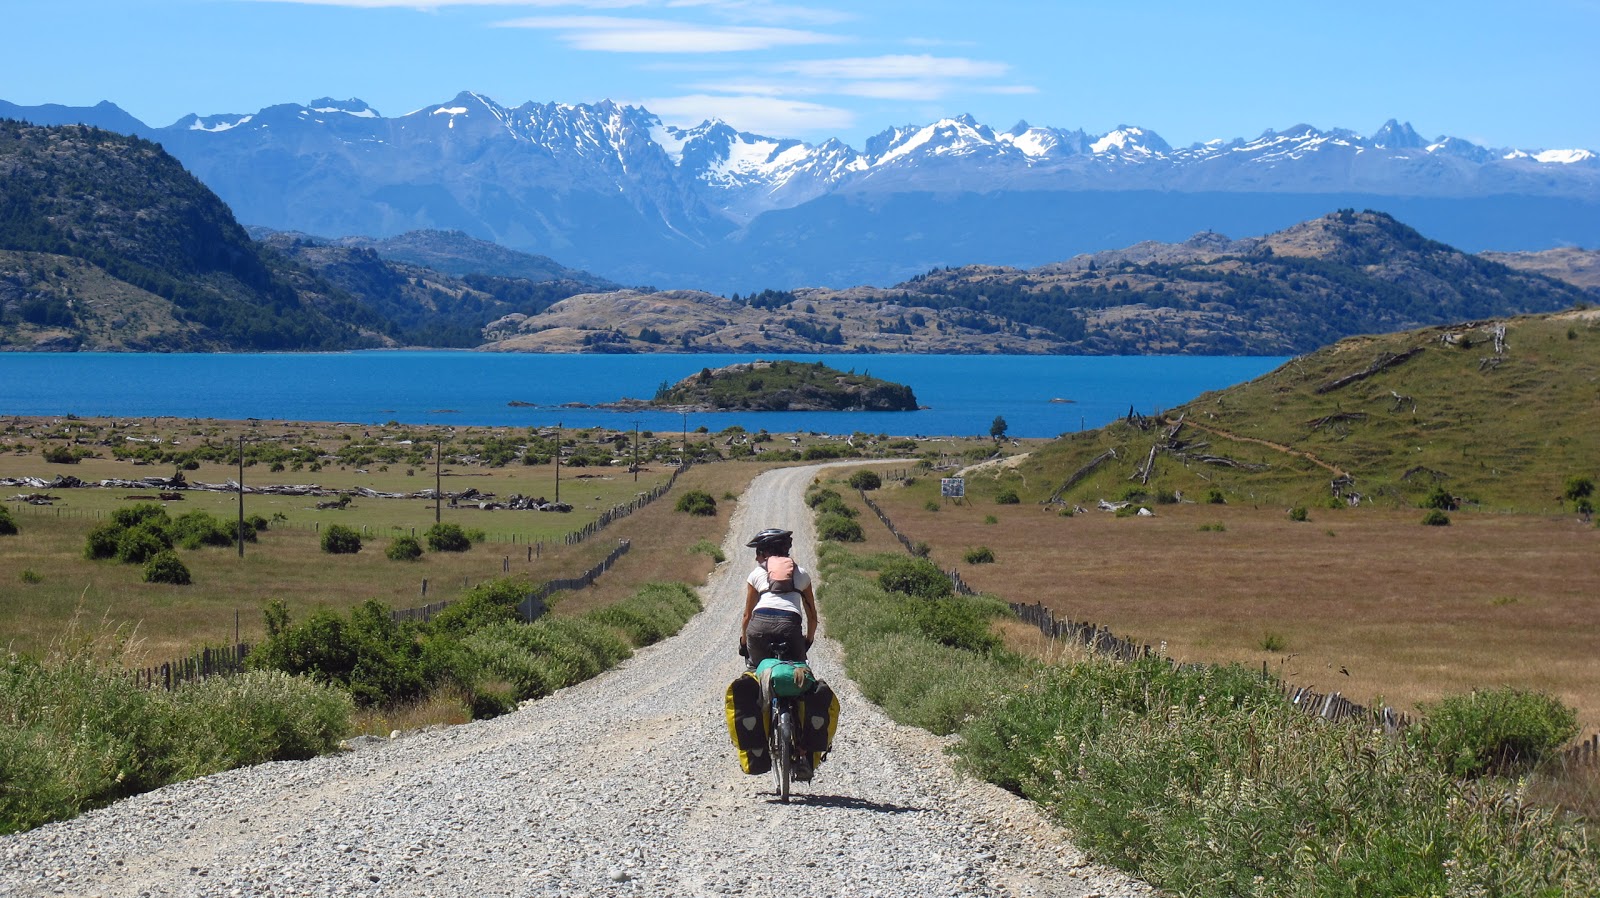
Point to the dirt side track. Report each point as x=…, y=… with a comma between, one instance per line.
x=623, y=785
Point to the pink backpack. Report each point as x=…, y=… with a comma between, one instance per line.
x=780, y=574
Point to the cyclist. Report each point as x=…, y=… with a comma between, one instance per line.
x=772, y=615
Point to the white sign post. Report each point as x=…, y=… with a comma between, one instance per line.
x=953, y=488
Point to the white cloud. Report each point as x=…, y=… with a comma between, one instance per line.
x=618, y=34
x=760, y=114
x=893, y=90
x=766, y=12
x=898, y=68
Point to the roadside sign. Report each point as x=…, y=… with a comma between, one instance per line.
x=953, y=487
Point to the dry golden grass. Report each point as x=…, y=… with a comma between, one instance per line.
x=1412, y=613
x=661, y=538
x=287, y=563
x=446, y=707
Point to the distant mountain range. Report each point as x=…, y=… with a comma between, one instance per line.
x=107, y=243
x=613, y=190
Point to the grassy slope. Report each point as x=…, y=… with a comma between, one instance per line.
x=1365, y=599
x=1507, y=437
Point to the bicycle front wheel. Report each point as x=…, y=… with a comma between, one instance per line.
x=783, y=752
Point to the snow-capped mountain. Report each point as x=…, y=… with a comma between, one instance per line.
x=613, y=189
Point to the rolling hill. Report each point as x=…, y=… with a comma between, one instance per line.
x=1495, y=414
x=107, y=243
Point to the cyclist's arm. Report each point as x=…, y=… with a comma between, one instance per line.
x=751, y=596
x=809, y=598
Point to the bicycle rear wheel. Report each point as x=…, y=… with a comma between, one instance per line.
x=783, y=752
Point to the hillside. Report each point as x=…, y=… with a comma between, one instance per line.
x=1579, y=267
x=425, y=306
x=830, y=321
x=1496, y=424
x=784, y=387
x=1291, y=291
x=454, y=252
x=109, y=244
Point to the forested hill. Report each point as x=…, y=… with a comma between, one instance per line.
x=106, y=242
x=1289, y=292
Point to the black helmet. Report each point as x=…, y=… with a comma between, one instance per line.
x=772, y=541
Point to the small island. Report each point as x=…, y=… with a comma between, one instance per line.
x=781, y=386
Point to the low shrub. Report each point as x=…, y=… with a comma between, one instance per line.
x=61, y=455
x=136, y=545
x=445, y=537
x=198, y=528
x=377, y=660
x=403, y=548
x=166, y=567
x=818, y=495
x=101, y=543
x=960, y=622
x=915, y=577
x=865, y=480
x=1299, y=514
x=1436, y=518
x=1440, y=499
x=980, y=555
x=931, y=505
x=8, y=526
x=338, y=539
x=142, y=513
x=697, y=502
x=254, y=717
x=484, y=605
x=840, y=529
x=1215, y=497
x=1500, y=731
x=835, y=505
x=1007, y=497
x=30, y=575
x=656, y=611
x=709, y=549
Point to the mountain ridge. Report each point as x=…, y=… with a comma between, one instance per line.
x=110, y=244
x=610, y=188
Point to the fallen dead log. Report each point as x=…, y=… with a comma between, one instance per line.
x=1421, y=469
x=1080, y=474
x=1337, y=417
x=1226, y=462
x=1386, y=360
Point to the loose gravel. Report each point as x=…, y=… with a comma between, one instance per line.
x=625, y=785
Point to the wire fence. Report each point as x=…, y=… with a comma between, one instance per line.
x=42, y=507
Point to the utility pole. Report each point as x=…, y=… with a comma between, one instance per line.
x=438, y=482
x=683, y=462
x=558, y=461
x=636, y=452
x=240, y=533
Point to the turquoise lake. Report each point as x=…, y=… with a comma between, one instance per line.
x=1039, y=396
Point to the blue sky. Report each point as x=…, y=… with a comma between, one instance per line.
x=1498, y=73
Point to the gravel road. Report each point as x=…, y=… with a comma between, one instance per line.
x=625, y=785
